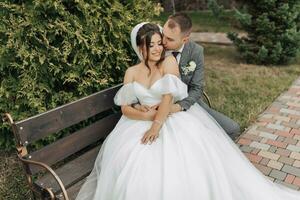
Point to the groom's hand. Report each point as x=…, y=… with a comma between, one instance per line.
x=149, y=115
x=175, y=108
x=143, y=108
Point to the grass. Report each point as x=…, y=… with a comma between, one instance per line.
x=241, y=91
x=13, y=184
x=205, y=21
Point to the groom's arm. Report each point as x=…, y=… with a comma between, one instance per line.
x=197, y=82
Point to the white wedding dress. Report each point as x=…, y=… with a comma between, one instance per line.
x=193, y=158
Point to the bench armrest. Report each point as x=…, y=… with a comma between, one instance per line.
x=52, y=172
x=204, y=94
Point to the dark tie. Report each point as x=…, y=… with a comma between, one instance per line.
x=175, y=53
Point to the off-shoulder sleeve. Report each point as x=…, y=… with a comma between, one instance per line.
x=125, y=95
x=171, y=84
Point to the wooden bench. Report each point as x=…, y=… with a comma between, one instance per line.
x=53, y=172
x=58, y=170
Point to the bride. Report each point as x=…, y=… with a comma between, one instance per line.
x=156, y=156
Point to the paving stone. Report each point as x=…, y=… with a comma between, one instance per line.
x=282, y=118
x=281, y=138
x=259, y=145
x=283, y=152
x=268, y=116
x=253, y=158
x=284, y=133
x=293, y=112
x=264, y=140
x=255, y=151
x=271, y=179
x=269, y=130
x=295, y=131
x=293, y=104
x=277, y=143
x=252, y=137
x=252, y=132
x=268, y=135
x=278, y=174
x=291, y=170
x=269, y=155
x=278, y=127
x=295, y=155
x=246, y=149
x=274, y=164
x=286, y=160
x=244, y=141
x=293, y=116
x=273, y=149
x=290, y=125
x=293, y=148
x=294, y=187
x=265, y=170
x=296, y=163
x=296, y=137
x=291, y=140
x=272, y=143
x=297, y=181
x=289, y=178
x=264, y=161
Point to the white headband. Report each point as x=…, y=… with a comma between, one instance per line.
x=133, y=35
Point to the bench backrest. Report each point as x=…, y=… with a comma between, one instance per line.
x=37, y=127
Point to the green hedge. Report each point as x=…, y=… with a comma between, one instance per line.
x=55, y=51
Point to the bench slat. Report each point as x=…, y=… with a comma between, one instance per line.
x=52, y=121
x=73, y=190
x=72, y=172
x=71, y=144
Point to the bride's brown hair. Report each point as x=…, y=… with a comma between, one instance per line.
x=144, y=36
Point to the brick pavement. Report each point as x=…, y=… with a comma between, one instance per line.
x=272, y=143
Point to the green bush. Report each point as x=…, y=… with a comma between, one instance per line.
x=55, y=51
x=272, y=28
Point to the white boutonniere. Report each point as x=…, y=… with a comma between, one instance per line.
x=190, y=67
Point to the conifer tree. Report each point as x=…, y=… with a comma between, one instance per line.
x=272, y=28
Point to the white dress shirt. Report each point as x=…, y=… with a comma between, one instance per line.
x=169, y=52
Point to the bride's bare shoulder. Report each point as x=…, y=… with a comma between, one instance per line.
x=130, y=73
x=170, y=65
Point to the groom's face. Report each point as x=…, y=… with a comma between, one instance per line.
x=173, y=39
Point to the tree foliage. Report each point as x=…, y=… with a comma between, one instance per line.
x=55, y=51
x=272, y=28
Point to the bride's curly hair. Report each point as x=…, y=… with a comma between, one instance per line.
x=144, y=36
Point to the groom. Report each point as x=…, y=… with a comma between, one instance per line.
x=189, y=56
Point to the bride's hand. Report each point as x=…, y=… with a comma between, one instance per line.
x=150, y=136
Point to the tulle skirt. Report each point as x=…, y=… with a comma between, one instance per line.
x=193, y=159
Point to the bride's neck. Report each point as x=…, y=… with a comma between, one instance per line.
x=151, y=64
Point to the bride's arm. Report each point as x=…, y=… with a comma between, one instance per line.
x=128, y=110
x=133, y=113
x=169, y=66
x=161, y=115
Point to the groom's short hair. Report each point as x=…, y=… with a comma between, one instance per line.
x=182, y=20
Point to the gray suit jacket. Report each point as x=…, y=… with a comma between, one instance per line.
x=194, y=79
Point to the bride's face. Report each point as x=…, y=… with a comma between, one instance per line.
x=155, y=48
